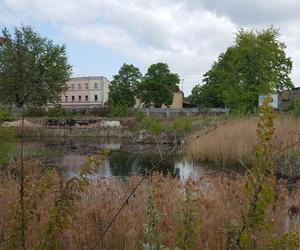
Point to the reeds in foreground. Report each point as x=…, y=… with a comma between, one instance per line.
x=217, y=201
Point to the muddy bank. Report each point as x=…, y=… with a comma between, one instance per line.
x=65, y=127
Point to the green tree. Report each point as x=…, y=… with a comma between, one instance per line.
x=158, y=86
x=254, y=65
x=124, y=85
x=205, y=96
x=33, y=69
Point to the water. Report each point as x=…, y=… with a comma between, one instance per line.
x=125, y=158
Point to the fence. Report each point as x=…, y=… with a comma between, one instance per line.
x=165, y=112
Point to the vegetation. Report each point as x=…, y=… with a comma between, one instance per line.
x=34, y=70
x=217, y=206
x=233, y=141
x=254, y=65
x=158, y=86
x=123, y=88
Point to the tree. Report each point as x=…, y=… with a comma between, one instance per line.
x=158, y=86
x=124, y=85
x=33, y=69
x=205, y=96
x=256, y=64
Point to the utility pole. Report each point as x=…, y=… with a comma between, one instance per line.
x=182, y=84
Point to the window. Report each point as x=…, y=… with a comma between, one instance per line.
x=79, y=86
x=86, y=98
x=66, y=98
x=95, y=85
x=60, y=99
x=96, y=97
x=79, y=98
x=73, y=98
x=86, y=86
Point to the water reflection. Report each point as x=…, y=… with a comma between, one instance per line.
x=125, y=159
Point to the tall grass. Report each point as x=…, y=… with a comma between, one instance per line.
x=234, y=141
x=218, y=201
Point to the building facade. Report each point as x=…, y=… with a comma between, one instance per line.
x=91, y=91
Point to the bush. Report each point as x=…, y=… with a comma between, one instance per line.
x=101, y=111
x=119, y=111
x=5, y=114
x=35, y=112
x=293, y=107
x=57, y=111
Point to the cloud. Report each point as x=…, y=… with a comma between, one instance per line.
x=188, y=35
x=251, y=12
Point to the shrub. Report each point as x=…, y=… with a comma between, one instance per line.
x=119, y=111
x=57, y=111
x=35, y=111
x=5, y=114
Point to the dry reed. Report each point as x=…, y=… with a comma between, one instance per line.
x=234, y=141
x=219, y=201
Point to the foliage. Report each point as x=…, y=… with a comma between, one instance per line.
x=35, y=111
x=38, y=184
x=5, y=115
x=123, y=87
x=5, y=146
x=259, y=187
x=57, y=111
x=290, y=240
x=64, y=203
x=255, y=64
x=158, y=86
x=118, y=111
x=153, y=238
x=152, y=125
x=189, y=224
x=206, y=96
x=34, y=70
x=294, y=107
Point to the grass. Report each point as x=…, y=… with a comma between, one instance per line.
x=234, y=140
x=219, y=200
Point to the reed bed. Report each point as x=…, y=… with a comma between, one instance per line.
x=220, y=200
x=234, y=141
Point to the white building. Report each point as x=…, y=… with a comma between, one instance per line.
x=91, y=91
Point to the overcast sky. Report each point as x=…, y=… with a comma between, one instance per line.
x=101, y=35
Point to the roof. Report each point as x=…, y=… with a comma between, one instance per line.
x=88, y=78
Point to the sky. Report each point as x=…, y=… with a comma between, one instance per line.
x=188, y=35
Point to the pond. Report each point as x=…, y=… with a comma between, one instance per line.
x=125, y=158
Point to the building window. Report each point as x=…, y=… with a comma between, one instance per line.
x=95, y=85
x=66, y=98
x=96, y=97
x=79, y=98
x=86, y=86
x=86, y=98
x=79, y=86
x=73, y=98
